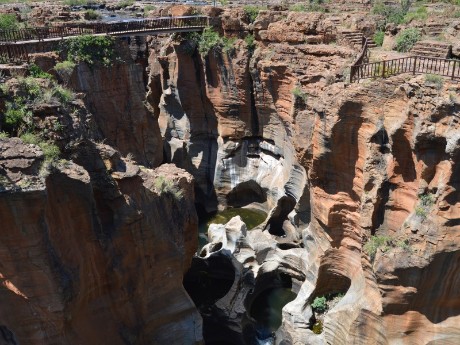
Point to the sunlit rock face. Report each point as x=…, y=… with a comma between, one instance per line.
x=335, y=166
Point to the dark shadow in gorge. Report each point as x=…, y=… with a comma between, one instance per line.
x=284, y=206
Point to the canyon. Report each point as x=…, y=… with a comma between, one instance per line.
x=355, y=186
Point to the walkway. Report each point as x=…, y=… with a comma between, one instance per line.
x=361, y=69
x=13, y=42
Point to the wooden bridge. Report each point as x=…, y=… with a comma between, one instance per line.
x=362, y=69
x=13, y=43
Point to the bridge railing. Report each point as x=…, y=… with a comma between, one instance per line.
x=54, y=32
x=411, y=64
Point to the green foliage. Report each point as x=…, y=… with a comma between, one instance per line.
x=91, y=15
x=420, y=14
x=126, y=3
x=91, y=49
x=50, y=151
x=148, y=8
x=299, y=7
x=425, y=203
x=250, y=41
x=209, y=39
x=17, y=116
x=63, y=94
x=252, y=12
x=407, y=39
x=4, y=135
x=165, y=186
x=376, y=242
x=228, y=44
x=8, y=21
x=76, y=2
x=392, y=14
x=37, y=72
x=319, y=304
x=379, y=36
x=299, y=93
x=436, y=80
x=64, y=70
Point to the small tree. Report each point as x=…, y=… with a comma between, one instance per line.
x=407, y=39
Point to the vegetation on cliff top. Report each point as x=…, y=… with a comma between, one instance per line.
x=407, y=39
x=90, y=50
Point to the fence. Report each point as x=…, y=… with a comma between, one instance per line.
x=119, y=28
x=412, y=64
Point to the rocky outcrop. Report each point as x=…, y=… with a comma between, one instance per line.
x=99, y=243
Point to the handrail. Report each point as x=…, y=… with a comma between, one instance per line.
x=68, y=30
x=412, y=64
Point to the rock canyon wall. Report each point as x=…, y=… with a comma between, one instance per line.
x=360, y=184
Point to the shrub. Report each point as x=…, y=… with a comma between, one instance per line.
x=209, y=40
x=250, y=41
x=299, y=93
x=126, y=3
x=319, y=304
x=8, y=21
x=435, y=80
x=91, y=15
x=17, y=115
x=392, y=14
x=228, y=44
x=64, y=70
x=76, y=2
x=63, y=94
x=420, y=14
x=91, y=49
x=379, y=36
x=148, y=8
x=298, y=7
x=252, y=12
x=376, y=242
x=4, y=135
x=164, y=186
x=37, y=72
x=30, y=87
x=406, y=39
x=50, y=151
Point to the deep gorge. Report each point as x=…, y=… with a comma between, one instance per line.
x=348, y=197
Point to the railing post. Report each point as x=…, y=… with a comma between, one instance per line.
x=415, y=65
x=352, y=72
x=453, y=69
x=383, y=69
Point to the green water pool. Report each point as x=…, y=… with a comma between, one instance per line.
x=250, y=216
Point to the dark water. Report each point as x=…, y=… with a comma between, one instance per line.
x=266, y=308
x=251, y=217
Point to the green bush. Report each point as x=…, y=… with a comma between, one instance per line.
x=392, y=14
x=63, y=94
x=126, y=3
x=228, y=44
x=91, y=49
x=37, y=72
x=4, y=135
x=299, y=93
x=91, y=15
x=407, y=39
x=298, y=7
x=165, y=186
x=8, y=21
x=376, y=242
x=50, y=151
x=64, y=70
x=252, y=12
x=250, y=41
x=379, y=36
x=17, y=116
x=76, y=2
x=437, y=81
x=319, y=304
x=420, y=14
x=209, y=39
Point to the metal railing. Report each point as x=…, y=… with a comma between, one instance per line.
x=118, y=28
x=412, y=64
